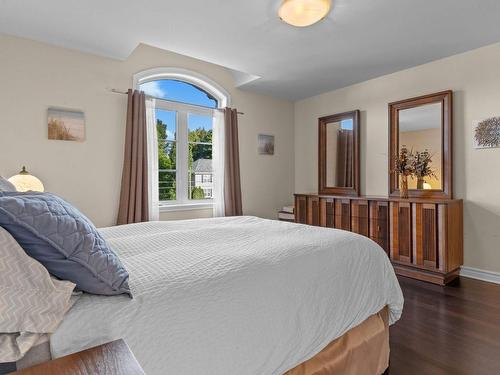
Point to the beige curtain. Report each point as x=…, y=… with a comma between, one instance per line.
x=232, y=182
x=344, y=158
x=134, y=191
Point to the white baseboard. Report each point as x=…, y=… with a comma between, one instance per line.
x=475, y=273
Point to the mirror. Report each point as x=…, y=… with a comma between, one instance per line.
x=423, y=126
x=419, y=131
x=339, y=154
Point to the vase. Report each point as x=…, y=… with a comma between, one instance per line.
x=420, y=183
x=403, y=190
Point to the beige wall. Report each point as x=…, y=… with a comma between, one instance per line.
x=35, y=76
x=475, y=79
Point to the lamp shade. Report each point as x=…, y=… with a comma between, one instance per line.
x=26, y=182
x=303, y=13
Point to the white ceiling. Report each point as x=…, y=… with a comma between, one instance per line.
x=361, y=39
x=420, y=118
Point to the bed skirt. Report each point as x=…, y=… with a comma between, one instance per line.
x=363, y=350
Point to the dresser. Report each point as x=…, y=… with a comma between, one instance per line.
x=423, y=237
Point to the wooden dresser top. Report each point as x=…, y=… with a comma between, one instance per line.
x=382, y=198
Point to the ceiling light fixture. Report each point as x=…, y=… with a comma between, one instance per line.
x=303, y=13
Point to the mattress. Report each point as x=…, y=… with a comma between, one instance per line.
x=233, y=295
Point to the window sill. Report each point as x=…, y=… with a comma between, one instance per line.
x=186, y=206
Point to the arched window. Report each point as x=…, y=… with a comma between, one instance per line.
x=184, y=110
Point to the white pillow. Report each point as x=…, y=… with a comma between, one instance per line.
x=31, y=302
x=6, y=185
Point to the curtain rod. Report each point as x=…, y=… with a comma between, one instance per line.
x=115, y=91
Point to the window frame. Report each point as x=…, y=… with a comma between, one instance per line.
x=182, y=201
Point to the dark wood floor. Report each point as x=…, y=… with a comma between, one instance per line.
x=447, y=330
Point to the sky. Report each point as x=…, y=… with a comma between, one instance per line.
x=178, y=91
x=346, y=124
x=181, y=92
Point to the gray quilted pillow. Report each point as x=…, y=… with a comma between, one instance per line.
x=56, y=234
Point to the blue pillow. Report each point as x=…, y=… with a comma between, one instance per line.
x=56, y=234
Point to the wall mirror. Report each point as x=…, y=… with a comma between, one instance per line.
x=423, y=124
x=339, y=154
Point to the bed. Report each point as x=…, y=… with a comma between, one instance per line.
x=240, y=295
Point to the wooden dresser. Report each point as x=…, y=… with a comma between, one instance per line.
x=423, y=237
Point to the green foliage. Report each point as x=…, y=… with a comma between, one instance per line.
x=197, y=193
x=166, y=160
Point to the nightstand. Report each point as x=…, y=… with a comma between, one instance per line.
x=113, y=358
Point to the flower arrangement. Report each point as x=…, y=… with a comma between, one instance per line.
x=404, y=167
x=411, y=163
x=421, y=161
x=403, y=164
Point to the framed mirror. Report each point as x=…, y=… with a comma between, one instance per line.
x=423, y=126
x=339, y=154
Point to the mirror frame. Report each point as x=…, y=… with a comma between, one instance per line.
x=322, y=122
x=446, y=100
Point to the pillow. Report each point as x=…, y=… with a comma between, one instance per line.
x=6, y=185
x=56, y=234
x=31, y=303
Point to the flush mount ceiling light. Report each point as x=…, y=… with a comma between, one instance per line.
x=303, y=13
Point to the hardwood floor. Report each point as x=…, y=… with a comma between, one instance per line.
x=447, y=330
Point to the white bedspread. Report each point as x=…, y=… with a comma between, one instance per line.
x=233, y=295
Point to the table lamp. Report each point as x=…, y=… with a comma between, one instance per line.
x=24, y=181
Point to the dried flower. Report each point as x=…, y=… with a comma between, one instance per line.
x=421, y=161
x=403, y=162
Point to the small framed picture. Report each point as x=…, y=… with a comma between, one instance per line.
x=65, y=125
x=266, y=144
x=486, y=133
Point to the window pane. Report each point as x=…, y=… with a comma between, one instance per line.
x=167, y=185
x=200, y=171
x=167, y=153
x=200, y=128
x=166, y=124
x=200, y=157
x=178, y=91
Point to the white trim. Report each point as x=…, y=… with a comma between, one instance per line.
x=182, y=110
x=476, y=273
x=197, y=79
x=186, y=207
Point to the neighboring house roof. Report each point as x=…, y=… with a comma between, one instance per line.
x=202, y=166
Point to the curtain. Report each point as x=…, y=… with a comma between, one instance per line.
x=344, y=158
x=232, y=180
x=152, y=150
x=218, y=143
x=134, y=200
